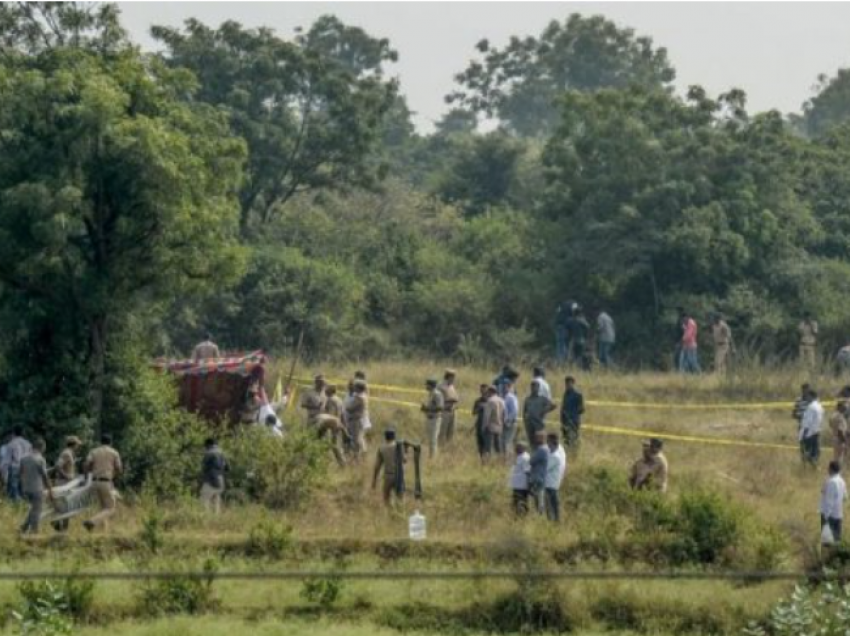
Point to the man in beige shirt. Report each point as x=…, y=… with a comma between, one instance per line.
x=450, y=401
x=65, y=470
x=313, y=400
x=433, y=409
x=838, y=426
x=103, y=465
x=206, y=350
x=722, y=336
x=387, y=461
x=808, y=330
x=356, y=412
x=650, y=471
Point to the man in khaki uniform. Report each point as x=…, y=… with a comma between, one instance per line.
x=387, y=462
x=356, y=412
x=313, y=400
x=65, y=471
x=104, y=465
x=808, y=330
x=650, y=471
x=722, y=335
x=206, y=349
x=493, y=422
x=331, y=423
x=838, y=426
x=450, y=400
x=433, y=409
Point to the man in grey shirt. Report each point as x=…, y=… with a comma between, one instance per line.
x=34, y=481
x=606, y=337
x=213, y=467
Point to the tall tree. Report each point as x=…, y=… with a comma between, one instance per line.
x=830, y=106
x=311, y=110
x=115, y=194
x=520, y=83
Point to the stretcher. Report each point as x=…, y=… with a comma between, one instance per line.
x=70, y=500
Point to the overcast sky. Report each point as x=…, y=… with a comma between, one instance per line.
x=774, y=51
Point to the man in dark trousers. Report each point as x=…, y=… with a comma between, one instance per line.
x=537, y=473
x=572, y=408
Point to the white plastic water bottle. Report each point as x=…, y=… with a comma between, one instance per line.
x=417, y=526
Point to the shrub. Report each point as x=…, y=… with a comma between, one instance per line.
x=280, y=473
x=151, y=532
x=267, y=539
x=808, y=611
x=180, y=594
x=49, y=608
x=323, y=592
x=708, y=525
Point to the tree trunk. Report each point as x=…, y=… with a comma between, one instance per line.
x=97, y=372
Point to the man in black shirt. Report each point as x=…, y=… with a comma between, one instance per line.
x=213, y=467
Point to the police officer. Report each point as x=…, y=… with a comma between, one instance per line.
x=450, y=401
x=388, y=462
x=104, y=465
x=433, y=409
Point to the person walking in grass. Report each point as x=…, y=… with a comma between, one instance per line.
x=539, y=374
x=34, y=482
x=810, y=430
x=572, y=409
x=213, y=467
x=832, y=498
x=478, y=414
x=387, y=461
x=65, y=471
x=556, y=468
x=511, y=419
x=432, y=407
x=494, y=422
x=606, y=336
x=800, y=404
x=450, y=401
x=689, y=362
x=722, y=336
x=104, y=465
x=538, y=465
x=519, y=480
x=808, y=332
x=534, y=411
x=838, y=427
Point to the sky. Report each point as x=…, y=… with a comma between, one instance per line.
x=774, y=51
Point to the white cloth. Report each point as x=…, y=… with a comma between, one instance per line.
x=812, y=420
x=832, y=497
x=554, y=470
x=519, y=473
x=270, y=409
x=544, y=390
x=4, y=460
x=563, y=456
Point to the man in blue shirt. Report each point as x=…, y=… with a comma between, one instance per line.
x=539, y=467
x=572, y=409
x=511, y=418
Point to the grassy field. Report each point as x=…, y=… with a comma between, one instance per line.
x=470, y=526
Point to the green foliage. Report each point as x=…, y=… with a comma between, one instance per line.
x=520, y=83
x=324, y=592
x=49, y=608
x=824, y=611
x=180, y=594
x=151, y=533
x=270, y=540
x=280, y=473
x=830, y=106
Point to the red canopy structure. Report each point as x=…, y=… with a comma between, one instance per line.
x=218, y=388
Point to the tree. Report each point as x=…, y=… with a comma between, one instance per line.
x=830, y=106
x=520, y=83
x=115, y=195
x=311, y=110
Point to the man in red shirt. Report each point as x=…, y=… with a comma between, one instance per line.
x=689, y=362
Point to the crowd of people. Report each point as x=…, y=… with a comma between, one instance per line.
x=573, y=333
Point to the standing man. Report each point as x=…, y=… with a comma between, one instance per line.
x=16, y=449
x=433, y=409
x=478, y=414
x=577, y=329
x=34, y=481
x=494, y=422
x=313, y=400
x=508, y=375
x=556, y=467
x=450, y=401
x=838, y=426
x=832, y=498
x=605, y=337
x=534, y=412
x=206, y=349
x=539, y=375
x=562, y=340
x=65, y=471
x=356, y=414
x=511, y=419
x=810, y=430
x=387, y=460
x=537, y=472
x=722, y=336
x=572, y=409
x=689, y=358
x=801, y=403
x=808, y=330
x=650, y=471
x=331, y=423
x=104, y=465
x=213, y=467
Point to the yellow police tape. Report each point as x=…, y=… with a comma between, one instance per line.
x=640, y=432
x=735, y=406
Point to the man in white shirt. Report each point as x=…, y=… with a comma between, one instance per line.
x=16, y=450
x=832, y=498
x=555, y=469
x=539, y=374
x=810, y=428
x=518, y=481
